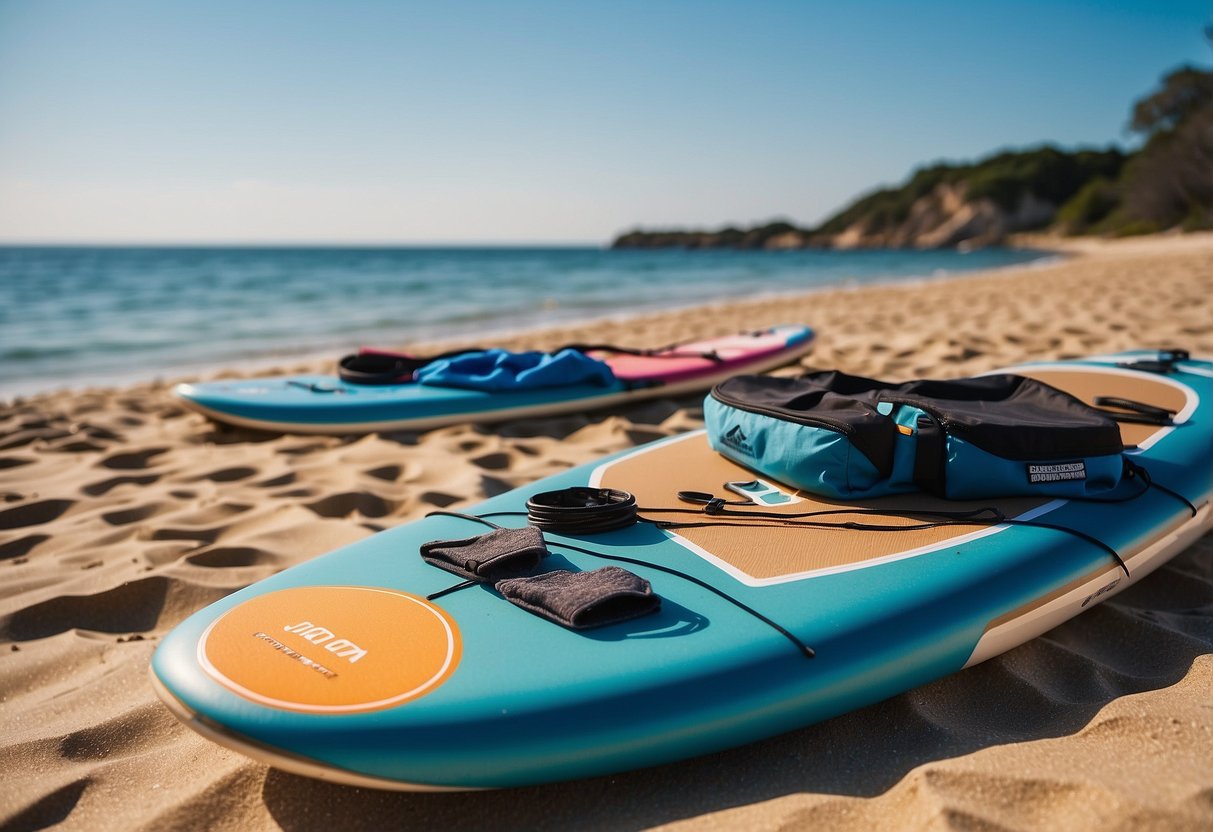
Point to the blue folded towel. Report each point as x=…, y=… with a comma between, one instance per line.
x=503, y=370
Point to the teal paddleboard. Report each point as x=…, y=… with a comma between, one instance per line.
x=326, y=404
x=361, y=667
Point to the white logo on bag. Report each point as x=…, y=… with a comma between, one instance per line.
x=1057, y=472
x=344, y=648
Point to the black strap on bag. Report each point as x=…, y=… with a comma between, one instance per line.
x=929, y=462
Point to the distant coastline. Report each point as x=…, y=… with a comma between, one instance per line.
x=1167, y=184
x=962, y=206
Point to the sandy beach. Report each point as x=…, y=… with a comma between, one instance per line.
x=122, y=513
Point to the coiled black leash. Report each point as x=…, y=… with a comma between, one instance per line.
x=581, y=510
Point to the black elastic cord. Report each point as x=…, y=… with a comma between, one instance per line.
x=1036, y=524
x=314, y=387
x=993, y=517
x=670, y=351
x=872, y=527
x=1143, y=474
x=441, y=512
x=450, y=589
x=711, y=501
x=719, y=507
x=800, y=645
x=461, y=584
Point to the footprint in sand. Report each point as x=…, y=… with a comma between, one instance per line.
x=227, y=557
x=387, y=473
x=7, y=462
x=350, y=502
x=74, y=446
x=34, y=514
x=493, y=462
x=22, y=546
x=51, y=809
x=229, y=474
x=105, y=486
x=131, y=460
x=206, y=536
x=131, y=607
x=440, y=499
x=135, y=514
x=25, y=437
x=274, y=482
x=98, y=432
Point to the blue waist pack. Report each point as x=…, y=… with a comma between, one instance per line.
x=849, y=437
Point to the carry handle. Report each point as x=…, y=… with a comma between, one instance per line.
x=1139, y=412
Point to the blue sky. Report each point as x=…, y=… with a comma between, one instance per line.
x=393, y=122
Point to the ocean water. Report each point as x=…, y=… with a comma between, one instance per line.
x=79, y=316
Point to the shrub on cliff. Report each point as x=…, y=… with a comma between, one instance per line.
x=1093, y=203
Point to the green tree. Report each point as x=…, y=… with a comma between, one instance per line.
x=1170, y=181
x=1184, y=93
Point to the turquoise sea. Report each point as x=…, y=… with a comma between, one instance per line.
x=77, y=316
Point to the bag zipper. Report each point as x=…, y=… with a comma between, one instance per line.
x=836, y=425
x=944, y=422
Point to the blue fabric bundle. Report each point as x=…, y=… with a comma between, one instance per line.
x=502, y=370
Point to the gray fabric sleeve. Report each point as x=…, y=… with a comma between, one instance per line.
x=489, y=557
x=582, y=600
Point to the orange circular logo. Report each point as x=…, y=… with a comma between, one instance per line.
x=331, y=649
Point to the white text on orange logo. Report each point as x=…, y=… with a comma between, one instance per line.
x=344, y=648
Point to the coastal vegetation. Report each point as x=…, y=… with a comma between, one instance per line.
x=1165, y=183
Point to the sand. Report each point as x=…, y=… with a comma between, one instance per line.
x=122, y=513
